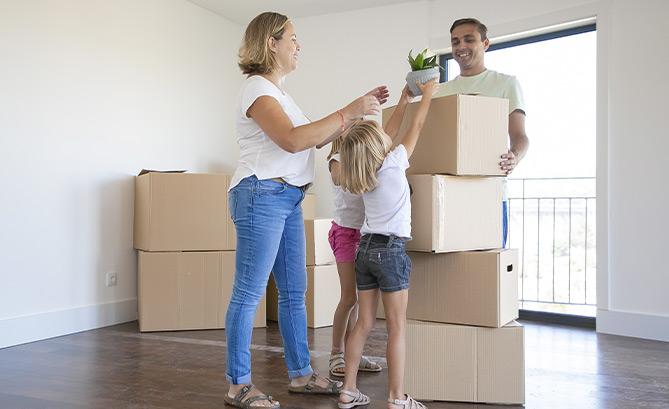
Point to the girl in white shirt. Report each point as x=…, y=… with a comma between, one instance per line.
x=344, y=236
x=371, y=167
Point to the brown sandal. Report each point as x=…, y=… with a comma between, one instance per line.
x=239, y=402
x=312, y=387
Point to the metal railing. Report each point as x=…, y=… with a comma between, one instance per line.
x=552, y=223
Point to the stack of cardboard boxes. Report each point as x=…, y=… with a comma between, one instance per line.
x=462, y=341
x=186, y=258
x=322, y=278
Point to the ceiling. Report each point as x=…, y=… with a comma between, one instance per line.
x=242, y=12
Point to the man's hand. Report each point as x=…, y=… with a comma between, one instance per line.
x=508, y=162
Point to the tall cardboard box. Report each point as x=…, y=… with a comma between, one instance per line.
x=448, y=362
x=470, y=288
x=309, y=206
x=186, y=290
x=182, y=212
x=321, y=299
x=462, y=135
x=455, y=213
x=319, y=251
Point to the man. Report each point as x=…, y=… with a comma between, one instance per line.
x=469, y=42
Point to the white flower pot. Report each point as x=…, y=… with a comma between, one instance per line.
x=421, y=76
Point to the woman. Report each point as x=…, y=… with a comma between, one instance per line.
x=276, y=165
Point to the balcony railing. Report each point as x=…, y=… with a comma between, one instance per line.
x=552, y=223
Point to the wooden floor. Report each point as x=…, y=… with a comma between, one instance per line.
x=117, y=367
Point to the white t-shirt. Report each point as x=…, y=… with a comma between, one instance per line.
x=349, y=209
x=258, y=154
x=388, y=206
x=489, y=83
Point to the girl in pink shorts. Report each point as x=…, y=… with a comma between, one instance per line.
x=344, y=236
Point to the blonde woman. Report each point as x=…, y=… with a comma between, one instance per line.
x=344, y=236
x=372, y=167
x=276, y=165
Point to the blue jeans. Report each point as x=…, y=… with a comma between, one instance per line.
x=505, y=222
x=270, y=237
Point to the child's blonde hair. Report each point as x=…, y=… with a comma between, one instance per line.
x=362, y=151
x=335, y=146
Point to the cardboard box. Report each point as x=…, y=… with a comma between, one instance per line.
x=322, y=296
x=470, y=288
x=182, y=211
x=455, y=213
x=448, y=362
x=319, y=251
x=462, y=135
x=186, y=290
x=309, y=206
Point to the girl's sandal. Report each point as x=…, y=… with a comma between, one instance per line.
x=337, y=364
x=367, y=365
x=359, y=399
x=408, y=403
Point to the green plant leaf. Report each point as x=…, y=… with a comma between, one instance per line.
x=412, y=61
x=420, y=61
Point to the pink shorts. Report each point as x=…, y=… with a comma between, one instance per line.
x=344, y=241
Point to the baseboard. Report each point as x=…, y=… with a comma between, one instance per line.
x=629, y=324
x=36, y=327
x=557, y=318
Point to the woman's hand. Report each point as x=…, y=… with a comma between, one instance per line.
x=381, y=93
x=367, y=104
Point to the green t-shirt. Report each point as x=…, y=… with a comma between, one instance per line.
x=489, y=83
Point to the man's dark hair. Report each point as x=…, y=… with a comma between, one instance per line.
x=479, y=26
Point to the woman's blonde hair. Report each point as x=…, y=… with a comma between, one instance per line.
x=255, y=57
x=362, y=151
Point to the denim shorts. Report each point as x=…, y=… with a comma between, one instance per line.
x=382, y=262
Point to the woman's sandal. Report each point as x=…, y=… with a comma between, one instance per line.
x=408, y=403
x=337, y=364
x=312, y=387
x=239, y=402
x=359, y=399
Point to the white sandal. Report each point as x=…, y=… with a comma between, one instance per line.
x=359, y=399
x=337, y=364
x=367, y=365
x=408, y=403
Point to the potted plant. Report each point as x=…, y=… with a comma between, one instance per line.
x=423, y=69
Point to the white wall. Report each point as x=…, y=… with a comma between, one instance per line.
x=638, y=197
x=347, y=53
x=93, y=91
